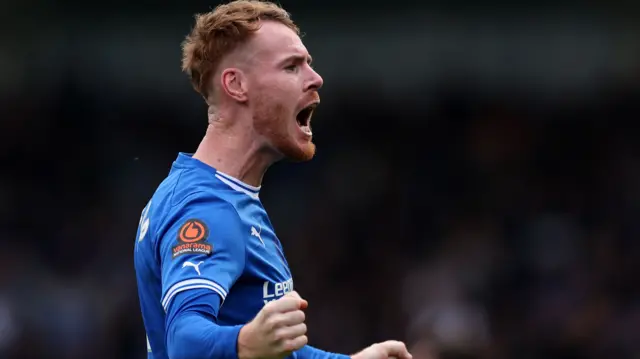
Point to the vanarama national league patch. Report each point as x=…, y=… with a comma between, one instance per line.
x=192, y=238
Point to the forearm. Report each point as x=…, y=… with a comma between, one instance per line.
x=192, y=336
x=309, y=352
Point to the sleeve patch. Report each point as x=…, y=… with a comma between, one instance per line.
x=192, y=237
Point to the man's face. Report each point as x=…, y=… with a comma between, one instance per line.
x=283, y=90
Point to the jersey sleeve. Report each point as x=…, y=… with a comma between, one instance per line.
x=192, y=329
x=203, y=247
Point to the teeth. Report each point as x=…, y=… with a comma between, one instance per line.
x=306, y=130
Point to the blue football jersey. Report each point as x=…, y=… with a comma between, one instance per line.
x=207, y=230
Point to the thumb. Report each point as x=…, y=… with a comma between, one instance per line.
x=303, y=303
x=396, y=349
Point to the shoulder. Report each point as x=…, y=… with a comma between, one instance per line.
x=205, y=206
x=201, y=222
x=189, y=204
x=192, y=192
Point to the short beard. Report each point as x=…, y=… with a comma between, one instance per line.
x=269, y=120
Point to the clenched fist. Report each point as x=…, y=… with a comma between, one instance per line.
x=277, y=331
x=385, y=350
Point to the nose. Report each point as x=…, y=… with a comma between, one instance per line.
x=315, y=80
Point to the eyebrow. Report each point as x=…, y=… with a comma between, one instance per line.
x=298, y=57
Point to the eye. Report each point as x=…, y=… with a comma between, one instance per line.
x=291, y=68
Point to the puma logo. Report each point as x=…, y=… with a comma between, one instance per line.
x=195, y=266
x=255, y=233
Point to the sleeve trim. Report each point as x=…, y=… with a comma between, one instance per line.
x=192, y=284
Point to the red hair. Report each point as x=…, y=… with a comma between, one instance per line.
x=219, y=32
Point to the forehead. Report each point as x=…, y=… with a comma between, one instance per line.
x=275, y=41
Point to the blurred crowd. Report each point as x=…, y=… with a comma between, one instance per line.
x=476, y=191
x=477, y=227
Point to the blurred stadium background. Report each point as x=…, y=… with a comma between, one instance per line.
x=476, y=191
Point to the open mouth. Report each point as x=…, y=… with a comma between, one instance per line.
x=304, y=116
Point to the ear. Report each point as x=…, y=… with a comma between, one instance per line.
x=234, y=84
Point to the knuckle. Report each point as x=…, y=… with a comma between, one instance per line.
x=272, y=322
x=290, y=302
x=280, y=303
x=303, y=341
x=293, y=345
x=278, y=335
x=288, y=346
x=268, y=309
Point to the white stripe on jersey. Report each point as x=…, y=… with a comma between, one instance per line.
x=237, y=187
x=192, y=284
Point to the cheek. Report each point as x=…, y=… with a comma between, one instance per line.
x=275, y=105
x=270, y=113
x=274, y=100
x=283, y=87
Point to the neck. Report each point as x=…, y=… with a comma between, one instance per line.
x=235, y=151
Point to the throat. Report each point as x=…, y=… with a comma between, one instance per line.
x=243, y=161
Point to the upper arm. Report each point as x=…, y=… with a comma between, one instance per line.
x=203, y=246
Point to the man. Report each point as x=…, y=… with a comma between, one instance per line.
x=204, y=238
